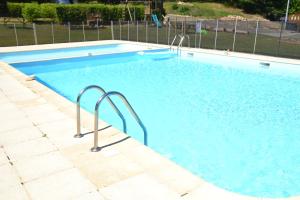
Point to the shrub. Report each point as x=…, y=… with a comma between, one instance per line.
x=15, y=9
x=31, y=11
x=3, y=8
x=48, y=11
x=183, y=9
x=139, y=12
x=72, y=13
x=175, y=6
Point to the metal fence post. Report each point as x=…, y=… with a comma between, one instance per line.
x=280, y=36
x=16, y=35
x=52, y=31
x=146, y=32
x=156, y=33
x=69, y=27
x=120, y=27
x=134, y=14
x=137, y=31
x=234, y=36
x=34, y=33
x=98, y=35
x=195, y=34
x=185, y=25
x=175, y=25
x=216, y=36
x=112, y=30
x=200, y=34
x=83, y=31
x=255, y=39
x=169, y=32
x=128, y=30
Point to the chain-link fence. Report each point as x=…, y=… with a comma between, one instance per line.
x=259, y=37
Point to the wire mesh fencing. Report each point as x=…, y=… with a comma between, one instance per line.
x=259, y=37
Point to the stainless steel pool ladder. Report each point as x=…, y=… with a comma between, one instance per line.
x=106, y=95
x=182, y=38
x=79, y=134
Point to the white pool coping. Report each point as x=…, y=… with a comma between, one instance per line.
x=37, y=151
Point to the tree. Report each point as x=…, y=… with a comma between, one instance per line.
x=3, y=8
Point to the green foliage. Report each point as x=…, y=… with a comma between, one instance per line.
x=48, y=11
x=175, y=6
x=295, y=6
x=3, y=8
x=183, y=9
x=71, y=13
x=15, y=9
x=272, y=9
x=31, y=11
x=74, y=13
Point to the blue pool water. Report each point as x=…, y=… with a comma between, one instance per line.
x=231, y=121
x=37, y=55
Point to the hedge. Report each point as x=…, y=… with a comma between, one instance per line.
x=31, y=11
x=15, y=9
x=73, y=13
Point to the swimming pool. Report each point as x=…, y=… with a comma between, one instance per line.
x=234, y=122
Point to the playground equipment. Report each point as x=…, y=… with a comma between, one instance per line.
x=155, y=20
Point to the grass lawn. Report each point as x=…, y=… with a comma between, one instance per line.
x=204, y=10
x=244, y=42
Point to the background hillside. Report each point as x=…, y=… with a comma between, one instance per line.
x=271, y=9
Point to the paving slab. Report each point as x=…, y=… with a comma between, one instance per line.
x=8, y=177
x=30, y=148
x=67, y=184
x=209, y=191
x=3, y=157
x=19, y=135
x=95, y=195
x=139, y=187
x=15, y=192
x=8, y=124
x=41, y=166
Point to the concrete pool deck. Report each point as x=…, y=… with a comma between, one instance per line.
x=40, y=158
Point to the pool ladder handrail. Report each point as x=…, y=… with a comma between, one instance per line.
x=182, y=38
x=79, y=134
x=96, y=148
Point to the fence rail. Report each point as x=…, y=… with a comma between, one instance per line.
x=259, y=37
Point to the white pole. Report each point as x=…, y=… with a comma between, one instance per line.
x=52, y=31
x=69, y=27
x=216, y=36
x=98, y=35
x=34, y=33
x=83, y=32
x=169, y=32
x=112, y=30
x=196, y=33
x=146, y=32
x=286, y=13
x=156, y=33
x=200, y=34
x=128, y=30
x=120, y=26
x=234, y=36
x=16, y=35
x=256, y=32
x=137, y=31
